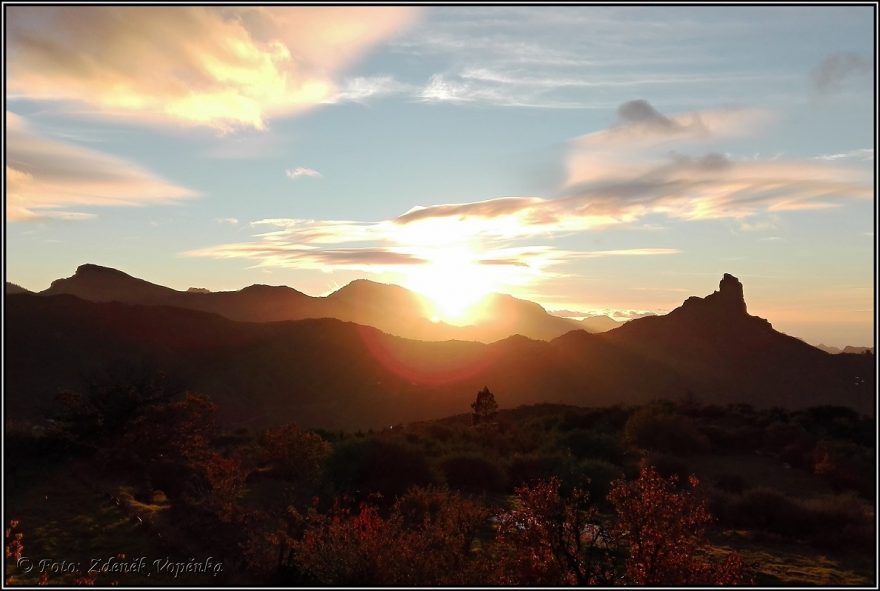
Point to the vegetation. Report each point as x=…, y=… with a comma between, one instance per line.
x=669, y=493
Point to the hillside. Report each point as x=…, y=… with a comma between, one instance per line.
x=390, y=308
x=330, y=373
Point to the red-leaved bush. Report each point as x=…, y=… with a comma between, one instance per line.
x=663, y=530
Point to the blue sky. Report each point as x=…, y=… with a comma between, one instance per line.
x=596, y=159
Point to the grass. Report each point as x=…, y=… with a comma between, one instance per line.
x=65, y=514
x=782, y=563
x=759, y=471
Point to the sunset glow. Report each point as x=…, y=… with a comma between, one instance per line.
x=553, y=160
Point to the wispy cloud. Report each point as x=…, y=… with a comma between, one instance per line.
x=360, y=89
x=221, y=66
x=227, y=221
x=45, y=177
x=399, y=245
x=301, y=172
x=862, y=154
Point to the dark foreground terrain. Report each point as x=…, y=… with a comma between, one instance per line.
x=128, y=474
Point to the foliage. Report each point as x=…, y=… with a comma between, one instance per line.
x=364, y=466
x=430, y=531
x=295, y=455
x=472, y=472
x=550, y=539
x=660, y=430
x=485, y=407
x=663, y=530
x=109, y=401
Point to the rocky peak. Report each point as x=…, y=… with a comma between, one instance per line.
x=92, y=269
x=728, y=299
x=730, y=293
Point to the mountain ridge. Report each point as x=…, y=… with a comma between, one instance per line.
x=391, y=308
x=335, y=374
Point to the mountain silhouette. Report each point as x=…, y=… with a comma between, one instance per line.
x=390, y=308
x=335, y=374
x=12, y=288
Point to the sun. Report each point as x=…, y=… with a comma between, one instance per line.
x=454, y=285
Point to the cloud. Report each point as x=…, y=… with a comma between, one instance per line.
x=360, y=88
x=44, y=177
x=862, y=154
x=300, y=172
x=392, y=246
x=224, y=67
x=227, y=221
x=837, y=68
x=640, y=124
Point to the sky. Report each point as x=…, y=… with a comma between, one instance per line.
x=594, y=159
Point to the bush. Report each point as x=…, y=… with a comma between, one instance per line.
x=771, y=511
x=473, y=473
x=821, y=521
x=732, y=483
x=657, y=430
x=527, y=469
x=425, y=540
x=588, y=444
x=846, y=466
x=370, y=465
x=600, y=474
x=667, y=466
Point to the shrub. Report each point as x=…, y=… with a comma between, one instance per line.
x=600, y=474
x=657, y=430
x=664, y=525
x=371, y=465
x=846, y=466
x=771, y=511
x=667, y=466
x=588, y=444
x=425, y=540
x=732, y=483
x=295, y=455
x=474, y=473
x=527, y=469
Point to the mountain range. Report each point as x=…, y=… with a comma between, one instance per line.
x=389, y=308
x=333, y=373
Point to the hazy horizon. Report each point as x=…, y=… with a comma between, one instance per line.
x=609, y=160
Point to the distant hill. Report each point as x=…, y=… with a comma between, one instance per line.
x=599, y=323
x=12, y=288
x=848, y=349
x=390, y=308
x=857, y=350
x=329, y=373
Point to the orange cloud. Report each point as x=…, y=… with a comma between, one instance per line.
x=45, y=176
x=219, y=66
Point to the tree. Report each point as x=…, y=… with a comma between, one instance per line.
x=551, y=539
x=485, y=407
x=663, y=529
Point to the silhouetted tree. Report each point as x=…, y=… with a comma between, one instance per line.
x=485, y=407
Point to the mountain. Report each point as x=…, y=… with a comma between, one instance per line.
x=858, y=350
x=12, y=288
x=334, y=374
x=103, y=284
x=739, y=357
x=390, y=308
x=830, y=349
x=599, y=323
